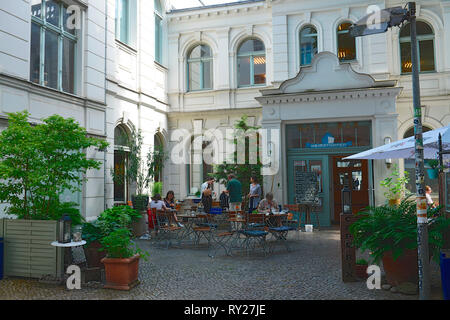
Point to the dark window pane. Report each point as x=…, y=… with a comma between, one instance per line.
x=349, y=133
x=207, y=75
x=36, y=6
x=194, y=76
x=405, y=52
x=293, y=136
x=346, y=43
x=259, y=66
x=158, y=39
x=363, y=135
x=51, y=60
x=307, y=132
x=244, y=71
x=68, y=67
x=195, y=53
x=35, y=55
x=426, y=49
x=52, y=12
x=120, y=137
x=423, y=28
x=119, y=182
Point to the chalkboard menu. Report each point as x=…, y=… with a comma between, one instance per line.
x=306, y=187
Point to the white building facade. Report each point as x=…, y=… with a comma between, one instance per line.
x=288, y=65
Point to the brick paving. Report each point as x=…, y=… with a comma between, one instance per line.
x=310, y=271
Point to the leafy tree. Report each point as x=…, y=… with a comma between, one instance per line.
x=251, y=166
x=39, y=162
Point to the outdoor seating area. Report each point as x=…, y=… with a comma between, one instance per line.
x=224, y=232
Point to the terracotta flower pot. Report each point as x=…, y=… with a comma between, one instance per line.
x=404, y=269
x=93, y=256
x=361, y=271
x=121, y=274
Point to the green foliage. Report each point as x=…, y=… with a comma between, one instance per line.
x=394, y=228
x=362, y=262
x=39, y=162
x=119, y=217
x=118, y=245
x=157, y=188
x=198, y=194
x=155, y=162
x=432, y=163
x=92, y=232
x=395, y=184
x=251, y=167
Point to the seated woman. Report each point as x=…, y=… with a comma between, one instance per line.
x=169, y=200
x=268, y=205
x=158, y=204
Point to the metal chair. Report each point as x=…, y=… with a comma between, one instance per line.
x=165, y=230
x=280, y=230
x=255, y=234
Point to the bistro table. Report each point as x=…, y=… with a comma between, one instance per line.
x=67, y=255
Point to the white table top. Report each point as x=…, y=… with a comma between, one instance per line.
x=68, y=245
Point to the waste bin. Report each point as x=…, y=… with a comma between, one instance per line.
x=1, y=258
x=445, y=275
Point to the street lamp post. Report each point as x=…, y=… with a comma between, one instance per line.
x=369, y=25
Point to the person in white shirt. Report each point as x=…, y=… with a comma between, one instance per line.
x=430, y=202
x=158, y=204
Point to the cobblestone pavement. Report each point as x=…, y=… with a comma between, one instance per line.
x=310, y=271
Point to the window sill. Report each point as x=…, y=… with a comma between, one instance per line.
x=421, y=72
x=253, y=86
x=126, y=47
x=199, y=91
x=160, y=66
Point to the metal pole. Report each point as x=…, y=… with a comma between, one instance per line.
x=422, y=221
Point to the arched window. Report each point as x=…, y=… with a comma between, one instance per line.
x=346, y=43
x=425, y=44
x=308, y=44
x=121, y=149
x=158, y=31
x=251, y=63
x=200, y=68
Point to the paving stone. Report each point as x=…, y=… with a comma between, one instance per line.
x=311, y=270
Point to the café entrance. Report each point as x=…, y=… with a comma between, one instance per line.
x=321, y=148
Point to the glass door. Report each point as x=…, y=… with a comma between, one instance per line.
x=317, y=164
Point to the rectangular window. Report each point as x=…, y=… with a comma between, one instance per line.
x=158, y=38
x=53, y=46
x=329, y=135
x=244, y=71
x=123, y=21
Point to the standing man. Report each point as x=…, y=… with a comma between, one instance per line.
x=234, y=190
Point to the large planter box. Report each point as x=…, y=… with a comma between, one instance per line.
x=28, y=252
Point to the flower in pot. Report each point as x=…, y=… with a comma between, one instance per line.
x=92, y=234
x=361, y=268
x=395, y=186
x=121, y=261
x=390, y=234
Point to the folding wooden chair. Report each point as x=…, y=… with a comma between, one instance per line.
x=165, y=229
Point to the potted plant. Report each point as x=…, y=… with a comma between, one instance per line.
x=92, y=234
x=433, y=170
x=361, y=268
x=396, y=186
x=122, y=260
x=390, y=235
x=117, y=217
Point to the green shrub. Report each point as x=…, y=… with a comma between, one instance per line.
x=362, y=262
x=119, y=217
x=394, y=228
x=118, y=245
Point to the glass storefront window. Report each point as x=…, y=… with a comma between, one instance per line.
x=329, y=135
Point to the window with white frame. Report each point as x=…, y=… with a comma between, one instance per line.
x=200, y=68
x=53, y=46
x=251, y=63
x=346, y=43
x=308, y=44
x=126, y=28
x=158, y=31
x=425, y=45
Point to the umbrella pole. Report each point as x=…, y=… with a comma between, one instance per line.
x=422, y=220
x=441, y=176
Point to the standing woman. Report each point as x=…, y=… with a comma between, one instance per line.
x=254, y=195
